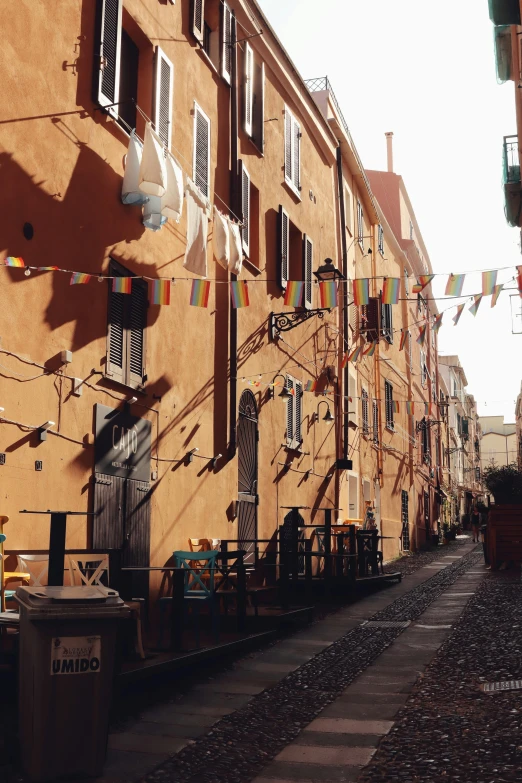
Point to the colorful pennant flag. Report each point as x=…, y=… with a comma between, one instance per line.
x=294, y=293
x=344, y=361
x=161, y=292
x=496, y=294
x=422, y=335
x=48, y=268
x=456, y=317
x=200, y=293
x=437, y=322
x=455, y=285
x=311, y=386
x=79, y=278
x=421, y=283
x=328, y=294
x=14, y=261
x=395, y=406
x=239, y=294
x=361, y=291
x=355, y=354
x=489, y=281
x=519, y=279
x=390, y=292
x=122, y=285
x=371, y=349
x=410, y=407
x=476, y=304
x=404, y=334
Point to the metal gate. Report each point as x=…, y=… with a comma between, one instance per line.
x=247, y=440
x=405, y=522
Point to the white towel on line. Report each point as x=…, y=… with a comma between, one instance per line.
x=221, y=239
x=153, y=169
x=172, y=201
x=197, y=231
x=130, y=192
x=236, y=248
x=152, y=217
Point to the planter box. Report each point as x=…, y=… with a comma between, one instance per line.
x=504, y=535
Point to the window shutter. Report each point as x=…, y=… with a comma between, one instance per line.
x=248, y=89
x=360, y=224
x=283, y=249
x=136, y=331
x=365, y=417
x=288, y=147
x=201, y=151
x=198, y=19
x=116, y=335
x=410, y=351
x=290, y=414
x=298, y=414
x=107, y=54
x=297, y=155
x=308, y=259
x=163, y=94
x=258, y=111
x=386, y=322
x=226, y=38
x=370, y=319
x=244, y=180
x=375, y=422
x=388, y=394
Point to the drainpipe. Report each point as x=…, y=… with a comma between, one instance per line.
x=345, y=402
x=237, y=210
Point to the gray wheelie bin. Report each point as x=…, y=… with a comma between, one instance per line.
x=67, y=655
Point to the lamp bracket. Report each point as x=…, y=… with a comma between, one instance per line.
x=285, y=322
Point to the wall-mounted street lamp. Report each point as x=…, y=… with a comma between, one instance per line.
x=328, y=271
x=285, y=392
x=328, y=416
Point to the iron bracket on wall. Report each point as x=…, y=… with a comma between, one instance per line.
x=285, y=322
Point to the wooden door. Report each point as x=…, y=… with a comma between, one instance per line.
x=247, y=440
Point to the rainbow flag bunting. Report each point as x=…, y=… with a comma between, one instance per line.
x=410, y=407
x=199, y=293
x=355, y=354
x=311, y=386
x=489, y=282
x=161, y=292
x=361, y=291
x=14, y=261
x=455, y=285
x=403, y=339
x=496, y=294
x=519, y=279
x=390, y=293
x=328, y=294
x=344, y=361
x=294, y=293
x=48, y=268
x=79, y=278
x=476, y=304
x=395, y=406
x=421, y=283
x=437, y=322
x=122, y=285
x=239, y=294
x=371, y=349
x=456, y=317
x=422, y=335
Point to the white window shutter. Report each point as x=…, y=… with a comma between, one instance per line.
x=163, y=96
x=107, y=55
x=296, y=133
x=258, y=110
x=248, y=89
x=290, y=413
x=198, y=19
x=289, y=157
x=201, y=162
x=226, y=38
x=298, y=408
x=244, y=179
x=308, y=261
x=283, y=247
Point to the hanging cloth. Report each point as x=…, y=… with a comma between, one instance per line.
x=130, y=193
x=152, y=217
x=236, y=248
x=172, y=201
x=221, y=239
x=197, y=231
x=153, y=170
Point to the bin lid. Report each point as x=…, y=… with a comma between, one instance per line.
x=82, y=600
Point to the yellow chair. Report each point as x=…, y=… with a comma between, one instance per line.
x=6, y=576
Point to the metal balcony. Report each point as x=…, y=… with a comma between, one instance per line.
x=511, y=161
x=504, y=11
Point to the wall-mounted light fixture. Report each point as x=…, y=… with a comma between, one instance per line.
x=285, y=392
x=215, y=460
x=189, y=456
x=42, y=430
x=328, y=416
x=328, y=271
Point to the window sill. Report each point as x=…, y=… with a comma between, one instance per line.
x=207, y=59
x=140, y=388
x=293, y=190
x=390, y=428
x=251, y=267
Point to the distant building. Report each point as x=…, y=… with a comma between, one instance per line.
x=499, y=441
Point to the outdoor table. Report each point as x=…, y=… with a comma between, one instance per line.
x=57, y=541
x=178, y=585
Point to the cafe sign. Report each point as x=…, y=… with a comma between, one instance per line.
x=123, y=444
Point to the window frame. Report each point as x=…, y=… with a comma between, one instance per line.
x=294, y=439
x=248, y=90
x=360, y=225
x=380, y=239
x=291, y=126
x=375, y=421
x=387, y=322
x=197, y=109
x=388, y=397
x=247, y=223
x=365, y=404
x=159, y=57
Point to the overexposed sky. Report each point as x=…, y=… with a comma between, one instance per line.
x=426, y=71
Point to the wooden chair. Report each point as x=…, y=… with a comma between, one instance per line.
x=6, y=576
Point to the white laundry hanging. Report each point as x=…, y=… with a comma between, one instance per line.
x=236, y=248
x=130, y=192
x=152, y=217
x=153, y=169
x=197, y=231
x=221, y=239
x=172, y=201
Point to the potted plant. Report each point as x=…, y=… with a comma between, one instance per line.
x=504, y=483
x=504, y=529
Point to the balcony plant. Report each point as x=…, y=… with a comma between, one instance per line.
x=504, y=483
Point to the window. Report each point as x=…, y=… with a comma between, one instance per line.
x=410, y=351
x=375, y=422
x=353, y=312
x=360, y=224
x=126, y=323
x=353, y=414
x=292, y=152
x=254, y=98
x=405, y=521
x=388, y=396
x=163, y=90
x=308, y=265
x=411, y=230
x=421, y=304
x=437, y=451
x=434, y=387
x=423, y=369
x=244, y=180
x=365, y=412
x=201, y=161
x=387, y=322
x=295, y=256
x=425, y=442
x=293, y=413
x=348, y=210
x=380, y=241
x=406, y=283
x=248, y=89
x=212, y=28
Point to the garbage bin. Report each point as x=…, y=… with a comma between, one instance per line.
x=67, y=654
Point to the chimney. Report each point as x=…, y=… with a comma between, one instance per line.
x=389, y=146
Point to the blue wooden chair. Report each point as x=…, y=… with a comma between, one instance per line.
x=199, y=589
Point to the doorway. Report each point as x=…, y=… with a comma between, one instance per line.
x=247, y=462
